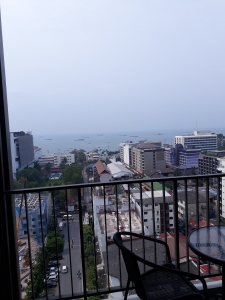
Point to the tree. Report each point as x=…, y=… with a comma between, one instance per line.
x=31, y=174
x=37, y=166
x=178, y=172
x=193, y=171
x=54, y=242
x=63, y=163
x=73, y=174
x=47, y=169
x=80, y=155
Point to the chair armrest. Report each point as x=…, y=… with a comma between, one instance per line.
x=175, y=271
x=144, y=237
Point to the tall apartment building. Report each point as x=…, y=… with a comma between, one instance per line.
x=181, y=157
x=125, y=152
x=208, y=162
x=56, y=159
x=204, y=140
x=22, y=150
x=148, y=156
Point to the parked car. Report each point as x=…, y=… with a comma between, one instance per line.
x=53, y=274
x=53, y=278
x=54, y=269
x=54, y=256
x=53, y=263
x=64, y=269
x=50, y=283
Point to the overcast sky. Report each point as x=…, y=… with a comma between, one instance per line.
x=76, y=66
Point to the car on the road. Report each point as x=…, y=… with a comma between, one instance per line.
x=54, y=256
x=54, y=269
x=53, y=274
x=64, y=269
x=53, y=263
x=53, y=278
x=50, y=283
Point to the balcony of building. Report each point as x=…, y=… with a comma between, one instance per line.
x=88, y=237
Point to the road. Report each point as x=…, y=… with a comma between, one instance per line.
x=69, y=280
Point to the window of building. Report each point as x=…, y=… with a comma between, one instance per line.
x=171, y=225
x=145, y=220
x=158, y=226
x=32, y=219
x=145, y=212
x=146, y=205
x=171, y=210
x=34, y=232
x=147, y=227
x=171, y=218
x=157, y=219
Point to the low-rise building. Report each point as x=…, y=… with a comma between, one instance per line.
x=56, y=159
x=119, y=171
x=144, y=203
x=100, y=172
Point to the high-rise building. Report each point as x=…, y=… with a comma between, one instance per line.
x=148, y=156
x=22, y=150
x=125, y=152
x=204, y=140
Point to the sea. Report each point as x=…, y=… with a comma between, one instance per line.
x=65, y=143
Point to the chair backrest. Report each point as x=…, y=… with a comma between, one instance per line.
x=131, y=264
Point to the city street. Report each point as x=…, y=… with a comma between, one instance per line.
x=70, y=279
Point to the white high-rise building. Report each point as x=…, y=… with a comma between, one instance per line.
x=125, y=152
x=204, y=140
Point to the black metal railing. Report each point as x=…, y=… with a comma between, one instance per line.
x=93, y=213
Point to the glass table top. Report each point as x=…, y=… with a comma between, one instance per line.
x=209, y=241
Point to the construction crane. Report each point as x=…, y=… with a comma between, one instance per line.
x=20, y=217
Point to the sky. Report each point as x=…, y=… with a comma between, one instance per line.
x=76, y=66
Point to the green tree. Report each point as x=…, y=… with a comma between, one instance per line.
x=178, y=172
x=47, y=169
x=193, y=171
x=54, y=242
x=80, y=155
x=37, y=166
x=31, y=174
x=73, y=174
x=63, y=163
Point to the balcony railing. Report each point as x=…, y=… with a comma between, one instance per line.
x=97, y=211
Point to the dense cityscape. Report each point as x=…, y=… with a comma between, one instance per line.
x=106, y=208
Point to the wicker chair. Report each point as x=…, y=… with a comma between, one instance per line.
x=163, y=281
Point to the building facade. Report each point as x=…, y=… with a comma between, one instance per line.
x=208, y=162
x=148, y=156
x=126, y=152
x=22, y=150
x=145, y=205
x=221, y=169
x=34, y=212
x=56, y=159
x=204, y=140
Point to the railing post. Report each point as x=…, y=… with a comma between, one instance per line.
x=9, y=267
x=176, y=227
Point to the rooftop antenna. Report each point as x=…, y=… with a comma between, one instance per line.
x=196, y=126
